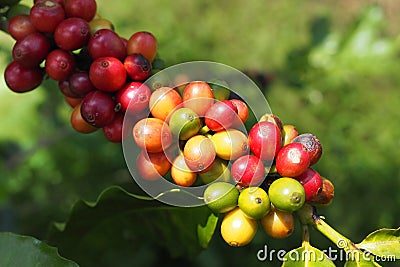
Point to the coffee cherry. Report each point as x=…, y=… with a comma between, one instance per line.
x=98, y=108
x=242, y=114
x=286, y=194
x=292, y=160
x=219, y=170
x=31, y=50
x=184, y=123
x=60, y=64
x=220, y=115
x=198, y=96
x=85, y=9
x=230, y=144
x=163, y=102
x=237, y=229
x=199, y=153
x=100, y=23
x=325, y=196
x=72, y=34
x=46, y=15
x=142, y=43
x=180, y=172
x=107, y=74
x=312, y=144
x=152, y=166
x=265, y=140
x=113, y=130
x=247, y=171
x=73, y=102
x=289, y=132
x=272, y=118
x=254, y=202
x=278, y=224
x=20, y=26
x=133, y=97
x=312, y=183
x=80, y=84
x=221, y=197
x=21, y=79
x=106, y=43
x=152, y=135
x=220, y=90
x=78, y=123
x=137, y=67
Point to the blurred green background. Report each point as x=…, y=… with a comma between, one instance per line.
x=329, y=67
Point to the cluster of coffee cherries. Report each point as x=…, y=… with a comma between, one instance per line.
x=194, y=135
x=96, y=69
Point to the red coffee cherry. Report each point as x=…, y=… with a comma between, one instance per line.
x=72, y=34
x=292, y=160
x=46, y=15
x=98, y=109
x=21, y=79
x=107, y=74
x=60, y=64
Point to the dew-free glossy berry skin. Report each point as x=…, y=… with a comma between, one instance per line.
x=287, y=194
x=152, y=166
x=242, y=114
x=219, y=170
x=152, y=135
x=20, y=26
x=272, y=118
x=21, y=79
x=73, y=102
x=237, y=229
x=31, y=50
x=100, y=23
x=78, y=123
x=163, y=102
x=292, y=160
x=107, y=74
x=312, y=183
x=85, y=9
x=137, y=67
x=230, y=144
x=221, y=197
x=134, y=97
x=289, y=132
x=247, y=171
x=184, y=123
x=220, y=116
x=142, y=43
x=72, y=33
x=278, y=224
x=254, y=202
x=60, y=64
x=265, y=140
x=198, y=96
x=199, y=153
x=80, y=84
x=98, y=108
x=46, y=15
x=113, y=130
x=312, y=144
x=180, y=172
x=106, y=43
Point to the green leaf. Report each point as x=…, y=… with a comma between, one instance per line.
x=121, y=225
x=206, y=232
x=18, y=250
x=383, y=243
x=306, y=256
x=357, y=258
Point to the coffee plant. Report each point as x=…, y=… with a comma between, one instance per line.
x=207, y=157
